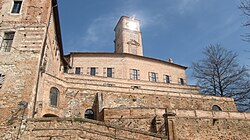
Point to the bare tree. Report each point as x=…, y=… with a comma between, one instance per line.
x=220, y=74
x=245, y=8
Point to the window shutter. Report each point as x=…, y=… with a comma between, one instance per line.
x=81, y=71
x=138, y=74
x=113, y=72
x=105, y=72
x=96, y=71
x=149, y=76
x=166, y=78
x=131, y=74
x=156, y=77
x=170, y=79
x=88, y=70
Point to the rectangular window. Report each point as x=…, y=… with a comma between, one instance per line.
x=92, y=71
x=166, y=78
x=153, y=77
x=134, y=74
x=109, y=72
x=78, y=70
x=7, y=41
x=181, y=81
x=16, y=7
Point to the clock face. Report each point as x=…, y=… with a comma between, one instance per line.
x=131, y=25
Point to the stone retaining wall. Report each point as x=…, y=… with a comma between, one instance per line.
x=72, y=128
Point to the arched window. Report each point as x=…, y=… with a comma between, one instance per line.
x=216, y=108
x=54, y=93
x=89, y=114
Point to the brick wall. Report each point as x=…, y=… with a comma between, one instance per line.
x=20, y=66
x=23, y=65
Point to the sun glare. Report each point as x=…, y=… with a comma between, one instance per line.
x=132, y=25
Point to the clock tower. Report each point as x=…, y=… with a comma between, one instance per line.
x=128, y=36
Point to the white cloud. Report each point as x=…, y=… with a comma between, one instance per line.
x=186, y=5
x=98, y=32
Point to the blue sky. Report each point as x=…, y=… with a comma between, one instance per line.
x=177, y=29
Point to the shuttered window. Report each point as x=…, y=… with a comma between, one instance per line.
x=108, y=72
x=92, y=71
x=153, y=77
x=166, y=78
x=134, y=74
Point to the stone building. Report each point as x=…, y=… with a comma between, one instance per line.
x=45, y=94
